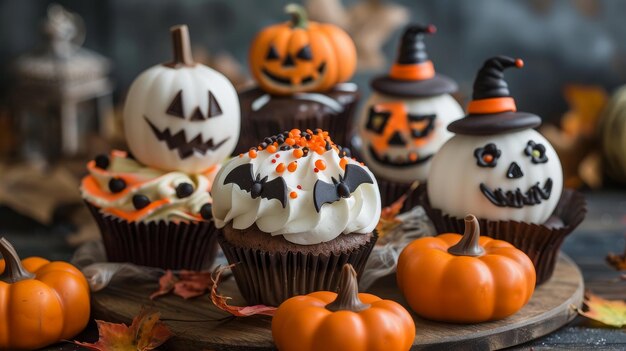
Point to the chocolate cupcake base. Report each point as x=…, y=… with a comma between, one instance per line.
x=269, y=278
x=540, y=242
x=166, y=245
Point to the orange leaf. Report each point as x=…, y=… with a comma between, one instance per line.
x=609, y=312
x=221, y=301
x=388, y=217
x=187, y=284
x=147, y=332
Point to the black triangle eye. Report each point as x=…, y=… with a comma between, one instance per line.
x=272, y=54
x=214, y=108
x=176, y=106
x=305, y=53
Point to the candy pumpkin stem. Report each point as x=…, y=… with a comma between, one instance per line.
x=299, y=18
x=181, y=46
x=13, y=271
x=348, y=294
x=468, y=245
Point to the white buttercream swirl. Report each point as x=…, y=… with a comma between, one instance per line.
x=159, y=186
x=298, y=221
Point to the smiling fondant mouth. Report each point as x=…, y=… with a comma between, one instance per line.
x=287, y=81
x=515, y=198
x=398, y=163
x=179, y=142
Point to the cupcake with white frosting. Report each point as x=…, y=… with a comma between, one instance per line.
x=149, y=216
x=292, y=212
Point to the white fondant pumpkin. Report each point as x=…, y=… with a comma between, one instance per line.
x=400, y=136
x=482, y=175
x=182, y=115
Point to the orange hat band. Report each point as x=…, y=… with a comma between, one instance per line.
x=420, y=71
x=493, y=105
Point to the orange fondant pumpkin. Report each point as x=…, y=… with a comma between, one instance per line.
x=343, y=321
x=465, y=279
x=301, y=55
x=41, y=302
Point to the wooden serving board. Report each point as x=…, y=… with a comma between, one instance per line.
x=198, y=325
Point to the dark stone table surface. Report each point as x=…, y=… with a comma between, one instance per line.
x=603, y=231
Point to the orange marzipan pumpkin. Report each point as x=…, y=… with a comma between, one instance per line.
x=343, y=321
x=465, y=279
x=301, y=55
x=41, y=302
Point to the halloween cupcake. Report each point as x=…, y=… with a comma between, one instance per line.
x=181, y=120
x=404, y=121
x=292, y=212
x=301, y=68
x=506, y=173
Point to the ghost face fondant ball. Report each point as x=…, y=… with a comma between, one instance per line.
x=512, y=176
x=400, y=136
x=182, y=115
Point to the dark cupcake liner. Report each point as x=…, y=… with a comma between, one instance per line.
x=167, y=245
x=269, y=278
x=540, y=242
x=261, y=124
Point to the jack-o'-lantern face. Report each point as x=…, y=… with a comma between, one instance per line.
x=399, y=137
x=292, y=65
x=510, y=176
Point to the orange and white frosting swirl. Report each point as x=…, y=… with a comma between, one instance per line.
x=123, y=187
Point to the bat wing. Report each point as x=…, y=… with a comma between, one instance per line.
x=242, y=176
x=355, y=176
x=324, y=193
x=275, y=189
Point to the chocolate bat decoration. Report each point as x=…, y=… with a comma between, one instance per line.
x=244, y=177
x=326, y=193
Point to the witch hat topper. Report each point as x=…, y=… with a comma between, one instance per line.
x=413, y=74
x=492, y=109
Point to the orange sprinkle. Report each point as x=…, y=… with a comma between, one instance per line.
x=297, y=153
x=295, y=132
x=240, y=155
x=280, y=168
x=343, y=162
x=293, y=194
x=271, y=149
x=290, y=141
x=320, y=150
x=320, y=164
x=413, y=156
x=252, y=153
x=362, y=164
x=488, y=158
x=292, y=166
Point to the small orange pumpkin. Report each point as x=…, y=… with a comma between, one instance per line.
x=301, y=55
x=343, y=321
x=465, y=279
x=41, y=302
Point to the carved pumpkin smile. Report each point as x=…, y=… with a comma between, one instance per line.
x=178, y=141
x=290, y=81
x=515, y=198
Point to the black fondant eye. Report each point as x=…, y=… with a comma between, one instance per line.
x=214, y=108
x=272, y=54
x=426, y=129
x=536, y=152
x=377, y=120
x=487, y=156
x=305, y=54
x=176, y=106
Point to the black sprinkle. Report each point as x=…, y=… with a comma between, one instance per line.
x=296, y=146
x=280, y=141
x=263, y=145
x=102, y=161
x=116, y=185
x=268, y=141
x=328, y=147
x=347, y=152
x=140, y=201
x=205, y=211
x=253, y=148
x=308, y=137
x=183, y=190
x=285, y=148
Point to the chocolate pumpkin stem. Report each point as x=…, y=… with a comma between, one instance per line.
x=181, y=46
x=299, y=18
x=468, y=245
x=13, y=270
x=348, y=294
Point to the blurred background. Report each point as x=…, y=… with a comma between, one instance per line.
x=65, y=70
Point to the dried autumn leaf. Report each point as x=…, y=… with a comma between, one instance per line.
x=187, y=284
x=146, y=332
x=617, y=261
x=388, y=218
x=609, y=312
x=221, y=301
